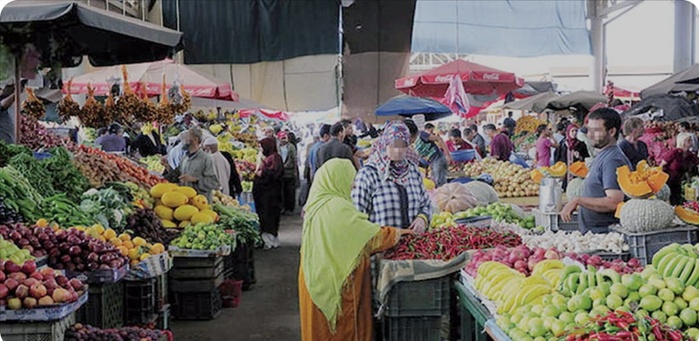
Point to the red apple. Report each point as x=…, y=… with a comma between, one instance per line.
x=38, y=276
x=48, y=273
x=11, y=267
x=552, y=254
x=4, y=291
x=76, y=284
x=62, y=280
x=29, y=302
x=60, y=295
x=37, y=290
x=19, y=276
x=30, y=281
x=2, y=276
x=22, y=291
x=11, y=284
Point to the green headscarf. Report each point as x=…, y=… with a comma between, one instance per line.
x=334, y=238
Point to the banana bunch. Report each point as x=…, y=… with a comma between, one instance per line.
x=551, y=270
x=495, y=280
x=679, y=261
x=574, y=281
x=527, y=123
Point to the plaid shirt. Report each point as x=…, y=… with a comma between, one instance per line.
x=383, y=202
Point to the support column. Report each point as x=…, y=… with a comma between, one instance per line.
x=598, y=46
x=684, y=33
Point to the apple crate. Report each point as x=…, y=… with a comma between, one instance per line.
x=644, y=245
x=36, y=331
x=419, y=298
x=104, y=307
x=426, y=328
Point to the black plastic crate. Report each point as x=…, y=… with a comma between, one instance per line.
x=197, y=306
x=240, y=265
x=161, y=291
x=644, y=245
x=196, y=262
x=199, y=272
x=140, y=301
x=610, y=256
x=104, y=307
x=412, y=328
x=419, y=298
x=36, y=331
x=195, y=285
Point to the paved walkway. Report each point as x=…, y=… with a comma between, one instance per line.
x=267, y=312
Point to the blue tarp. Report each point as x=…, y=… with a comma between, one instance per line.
x=408, y=106
x=511, y=28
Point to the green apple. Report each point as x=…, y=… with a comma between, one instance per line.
x=670, y=308
x=693, y=333
x=559, y=299
x=648, y=272
x=666, y=295
x=517, y=334
x=515, y=318
x=694, y=304
x=631, y=304
x=537, y=309
x=632, y=281
x=548, y=322
x=503, y=321
x=585, y=303
x=647, y=290
x=601, y=310
x=675, y=285
x=596, y=293
x=624, y=309
x=599, y=302
x=641, y=313
x=634, y=296
x=674, y=322
x=680, y=303
x=566, y=317
x=540, y=338
x=614, y=301
x=551, y=310
x=651, y=303
x=536, y=327
x=659, y=315
x=619, y=290
x=689, y=317
x=690, y=292
x=581, y=318
x=558, y=327
x=546, y=300
x=606, y=286
x=524, y=324
x=657, y=282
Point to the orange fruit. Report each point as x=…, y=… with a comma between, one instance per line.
x=133, y=253
x=124, y=251
x=109, y=234
x=128, y=244
x=116, y=241
x=42, y=222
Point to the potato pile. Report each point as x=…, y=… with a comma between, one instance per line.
x=509, y=180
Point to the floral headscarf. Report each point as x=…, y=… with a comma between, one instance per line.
x=572, y=141
x=395, y=171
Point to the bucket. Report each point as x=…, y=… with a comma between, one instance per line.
x=550, y=196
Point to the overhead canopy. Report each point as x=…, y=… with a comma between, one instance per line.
x=673, y=107
x=579, y=99
x=67, y=30
x=477, y=79
x=536, y=103
x=151, y=75
x=265, y=114
x=409, y=106
x=681, y=81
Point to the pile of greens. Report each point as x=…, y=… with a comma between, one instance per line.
x=246, y=225
x=107, y=207
x=65, y=177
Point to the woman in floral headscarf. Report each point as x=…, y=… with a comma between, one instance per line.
x=389, y=187
x=571, y=150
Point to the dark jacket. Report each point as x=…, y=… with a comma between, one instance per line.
x=234, y=184
x=146, y=147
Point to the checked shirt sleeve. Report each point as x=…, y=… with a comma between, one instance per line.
x=364, y=186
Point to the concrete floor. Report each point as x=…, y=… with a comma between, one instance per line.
x=267, y=312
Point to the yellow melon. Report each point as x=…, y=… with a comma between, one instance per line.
x=200, y=202
x=163, y=212
x=168, y=223
x=189, y=192
x=202, y=218
x=211, y=213
x=174, y=199
x=158, y=190
x=184, y=223
x=185, y=212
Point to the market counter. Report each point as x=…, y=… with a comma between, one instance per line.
x=477, y=323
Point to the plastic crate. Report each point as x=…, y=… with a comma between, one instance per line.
x=553, y=221
x=412, y=328
x=644, y=245
x=140, y=301
x=36, y=331
x=241, y=265
x=105, y=306
x=419, y=298
x=197, y=306
x=197, y=273
x=195, y=285
x=609, y=256
x=195, y=262
x=161, y=291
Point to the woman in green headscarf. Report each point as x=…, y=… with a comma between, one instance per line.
x=334, y=276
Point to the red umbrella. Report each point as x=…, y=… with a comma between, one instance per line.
x=151, y=75
x=271, y=114
x=477, y=80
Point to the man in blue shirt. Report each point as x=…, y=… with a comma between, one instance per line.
x=312, y=157
x=601, y=192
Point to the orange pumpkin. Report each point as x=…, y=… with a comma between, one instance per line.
x=642, y=183
x=687, y=215
x=578, y=169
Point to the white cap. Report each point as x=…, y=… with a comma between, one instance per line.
x=210, y=141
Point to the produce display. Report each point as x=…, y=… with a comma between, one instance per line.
x=510, y=180
x=226, y=200
x=453, y=197
x=18, y=193
x=246, y=170
x=64, y=212
x=203, y=236
x=10, y=251
x=577, y=242
x=500, y=212
x=527, y=123
x=180, y=206
x=7, y=214
x=81, y=332
x=447, y=243
x=153, y=163
x=32, y=106
x=623, y=326
x=26, y=287
x=35, y=136
x=65, y=177
x=247, y=154
x=118, y=168
x=107, y=206
x=34, y=172
x=558, y=170
x=689, y=212
x=642, y=183
x=145, y=223
x=136, y=248
x=244, y=224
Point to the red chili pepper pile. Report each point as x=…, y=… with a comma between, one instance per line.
x=447, y=243
x=622, y=326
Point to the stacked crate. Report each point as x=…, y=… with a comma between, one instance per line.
x=415, y=309
x=194, y=286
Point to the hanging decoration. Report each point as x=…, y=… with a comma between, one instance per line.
x=92, y=113
x=32, y=106
x=67, y=107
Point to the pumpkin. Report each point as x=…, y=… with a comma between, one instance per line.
x=185, y=212
x=643, y=182
x=578, y=169
x=617, y=213
x=454, y=197
x=484, y=193
x=173, y=199
x=557, y=170
x=664, y=193
x=575, y=187
x=687, y=215
x=536, y=175
x=643, y=215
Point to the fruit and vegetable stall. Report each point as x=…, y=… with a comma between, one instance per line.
x=94, y=246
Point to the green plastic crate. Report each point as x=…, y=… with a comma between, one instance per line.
x=36, y=331
x=104, y=307
x=419, y=298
